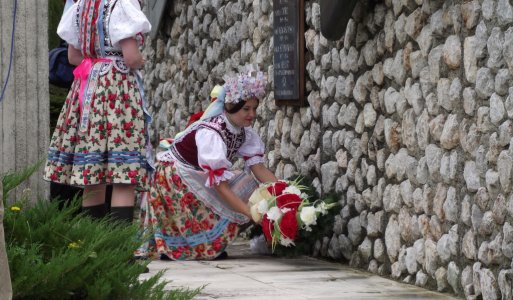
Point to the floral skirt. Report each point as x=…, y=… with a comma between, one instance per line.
x=112, y=149
x=180, y=226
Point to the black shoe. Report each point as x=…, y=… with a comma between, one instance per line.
x=164, y=257
x=122, y=213
x=96, y=211
x=223, y=255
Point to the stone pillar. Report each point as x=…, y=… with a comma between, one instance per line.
x=24, y=111
x=5, y=278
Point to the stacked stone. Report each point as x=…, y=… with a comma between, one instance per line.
x=408, y=119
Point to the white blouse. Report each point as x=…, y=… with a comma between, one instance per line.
x=212, y=152
x=126, y=20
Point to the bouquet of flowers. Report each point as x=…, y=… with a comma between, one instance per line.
x=282, y=208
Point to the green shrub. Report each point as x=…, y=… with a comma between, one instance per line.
x=61, y=254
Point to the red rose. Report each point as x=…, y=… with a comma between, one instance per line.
x=188, y=198
x=133, y=181
x=267, y=228
x=288, y=200
x=112, y=105
x=216, y=245
x=112, y=97
x=128, y=134
x=127, y=105
x=117, y=140
x=200, y=248
x=134, y=112
x=117, y=111
x=205, y=224
x=288, y=225
x=128, y=125
x=109, y=126
x=159, y=242
x=188, y=223
x=196, y=227
x=176, y=254
x=177, y=181
x=126, y=97
x=100, y=127
x=277, y=188
x=53, y=177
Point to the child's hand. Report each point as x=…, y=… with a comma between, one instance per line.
x=131, y=54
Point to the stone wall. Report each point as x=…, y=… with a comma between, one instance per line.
x=408, y=119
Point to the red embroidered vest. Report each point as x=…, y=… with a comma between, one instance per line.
x=186, y=151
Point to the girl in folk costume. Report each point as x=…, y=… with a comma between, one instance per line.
x=101, y=136
x=196, y=203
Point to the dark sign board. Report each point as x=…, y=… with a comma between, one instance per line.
x=289, y=40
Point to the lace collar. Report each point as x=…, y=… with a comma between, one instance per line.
x=230, y=126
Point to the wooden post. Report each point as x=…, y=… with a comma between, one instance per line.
x=5, y=278
x=24, y=110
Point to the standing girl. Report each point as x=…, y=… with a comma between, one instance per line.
x=101, y=137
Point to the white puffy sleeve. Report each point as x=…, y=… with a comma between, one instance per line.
x=212, y=156
x=252, y=150
x=127, y=20
x=67, y=28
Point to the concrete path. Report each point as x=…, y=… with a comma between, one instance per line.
x=244, y=276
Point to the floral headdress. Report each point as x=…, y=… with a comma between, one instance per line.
x=237, y=87
x=243, y=86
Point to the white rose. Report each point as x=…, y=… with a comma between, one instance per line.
x=260, y=194
x=274, y=213
x=308, y=215
x=262, y=206
x=292, y=190
x=322, y=208
x=286, y=242
x=255, y=215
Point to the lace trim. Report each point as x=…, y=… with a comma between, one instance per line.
x=166, y=156
x=257, y=159
x=227, y=175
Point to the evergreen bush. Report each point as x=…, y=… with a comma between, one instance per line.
x=62, y=254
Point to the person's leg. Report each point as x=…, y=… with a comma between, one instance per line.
x=122, y=202
x=93, y=203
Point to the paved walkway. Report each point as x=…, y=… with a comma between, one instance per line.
x=244, y=276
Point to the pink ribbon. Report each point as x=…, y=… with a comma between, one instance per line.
x=82, y=72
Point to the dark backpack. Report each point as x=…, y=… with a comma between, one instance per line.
x=61, y=71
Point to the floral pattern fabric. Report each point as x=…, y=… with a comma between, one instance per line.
x=112, y=151
x=180, y=225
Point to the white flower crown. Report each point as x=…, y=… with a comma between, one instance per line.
x=244, y=86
